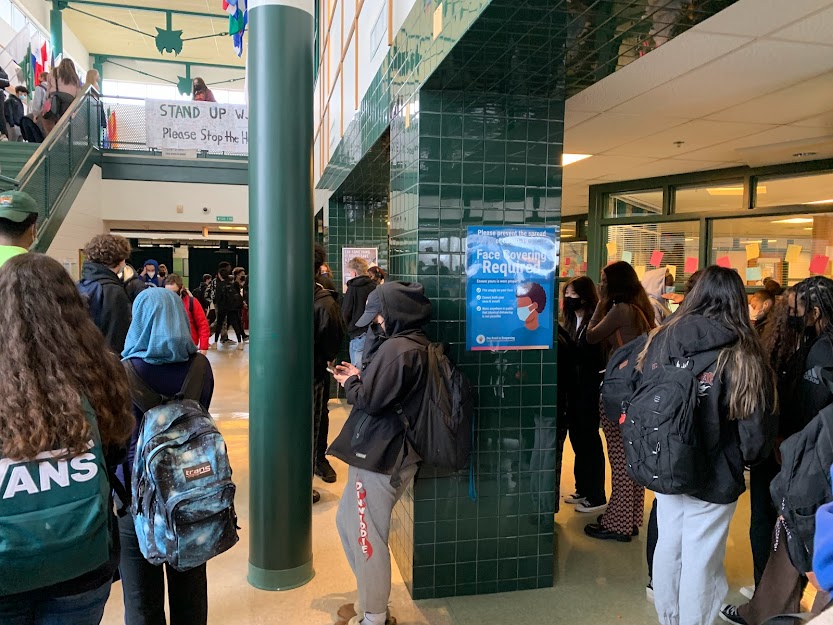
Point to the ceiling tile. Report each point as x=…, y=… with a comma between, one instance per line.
x=573, y=117
x=756, y=69
x=695, y=135
x=610, y=130
x=825, y=120
x=680, y=55
x=796, y=102
x=755, y=18
x=817, y=28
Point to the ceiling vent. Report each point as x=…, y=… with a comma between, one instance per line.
x=788, y=151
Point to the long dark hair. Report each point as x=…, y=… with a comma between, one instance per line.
x=585, y=288
x=53, y=360
x=720, y=295
x=623, y=287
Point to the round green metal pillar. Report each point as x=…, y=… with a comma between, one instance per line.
x=281, y=235
x=56, y=28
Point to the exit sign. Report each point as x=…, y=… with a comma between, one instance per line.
x=227, y=220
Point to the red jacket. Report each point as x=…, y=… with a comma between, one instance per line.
x=197, y=319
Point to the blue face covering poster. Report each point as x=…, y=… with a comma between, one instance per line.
x=510, y=277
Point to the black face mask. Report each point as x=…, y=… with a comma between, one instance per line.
x=572, y=304
x=796, y=323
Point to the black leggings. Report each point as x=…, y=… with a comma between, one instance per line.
x=143, y=585
x=234, y=320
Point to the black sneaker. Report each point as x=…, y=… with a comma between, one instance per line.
x=316, y=496
x=599, y=532
x=325, y=471
x=729, y=613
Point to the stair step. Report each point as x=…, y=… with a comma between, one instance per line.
x=13, y=156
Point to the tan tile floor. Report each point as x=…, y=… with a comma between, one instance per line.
x=596, y=582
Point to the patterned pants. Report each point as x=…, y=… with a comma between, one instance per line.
x=626, y=509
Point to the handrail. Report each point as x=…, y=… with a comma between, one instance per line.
x=12, y=181
x=58, y=131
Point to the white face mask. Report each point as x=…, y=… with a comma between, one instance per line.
x=524, y=312
x=753, y=314
x=151, y=273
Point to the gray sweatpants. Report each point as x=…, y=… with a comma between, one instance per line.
x=363, y=522
x=689, y=578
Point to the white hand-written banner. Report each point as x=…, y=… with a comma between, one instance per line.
x=197, y=126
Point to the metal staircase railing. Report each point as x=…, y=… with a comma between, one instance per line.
x=57, y=170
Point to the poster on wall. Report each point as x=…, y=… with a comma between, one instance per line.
x=178, y=125
x=510, y=277
x=370, y=254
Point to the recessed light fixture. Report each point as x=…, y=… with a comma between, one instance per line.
x=818, y=202
x=235, y=228
x=732, y=190
x=795, y=220
x=569, y=159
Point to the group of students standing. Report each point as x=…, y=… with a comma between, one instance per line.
x=767, y=372
x=70, y=419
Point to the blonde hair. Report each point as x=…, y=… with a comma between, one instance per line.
x=359, y=265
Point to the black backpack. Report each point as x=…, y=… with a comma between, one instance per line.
x=660, y=429
x=803, y=485
x=621, y=378
x=443, y=430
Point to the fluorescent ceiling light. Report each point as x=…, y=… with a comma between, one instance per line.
x=795, y=220
x=818, y=202
x=569, y=159
x=236, y=228
x=732, y=190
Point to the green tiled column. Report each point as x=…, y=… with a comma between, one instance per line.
x=470, y=158
x=280, y=200
x=56, y=28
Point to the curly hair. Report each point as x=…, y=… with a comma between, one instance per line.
x=107, y=249
x=54, y=359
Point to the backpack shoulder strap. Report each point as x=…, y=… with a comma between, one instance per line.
x=142, y=395
x=195, y=380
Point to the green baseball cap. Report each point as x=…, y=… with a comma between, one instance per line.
x=16, y=206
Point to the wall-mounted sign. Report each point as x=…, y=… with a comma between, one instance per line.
x=225, y=219
x=510, y=299
x=197, y=126
x=370, y=254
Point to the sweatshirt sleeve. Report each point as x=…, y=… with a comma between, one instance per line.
x=201, y=322
x=603, y=325
x=115, y=317
x=384, y=386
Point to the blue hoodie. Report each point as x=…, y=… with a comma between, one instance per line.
x=823, y=546
x=155, y=280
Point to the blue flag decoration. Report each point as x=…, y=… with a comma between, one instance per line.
x=238, y=21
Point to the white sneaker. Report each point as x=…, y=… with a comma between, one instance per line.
x=586, y=508
x=240, y=345
x=649, y=592
x=748, y=592
x=574, y=499
x=212, y=346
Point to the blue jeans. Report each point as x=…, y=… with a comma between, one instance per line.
x=86, y=608
x=356, y=350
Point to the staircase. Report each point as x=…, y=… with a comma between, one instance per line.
x=54, y=171
x=13, y=156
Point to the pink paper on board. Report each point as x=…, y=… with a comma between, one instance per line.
x=656, y=258
x=691, y=264
x=819, y=264
x=564, y=274
x=724, y=261
x=567, y=261
x=584, y=266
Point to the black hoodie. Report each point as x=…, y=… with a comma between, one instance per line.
x=328, y=330
x=116, y=310
x=393, y=377
x=355, y=300
x=730, y=444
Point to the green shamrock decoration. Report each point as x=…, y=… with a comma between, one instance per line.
x=169, y=41
x=184, y=85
